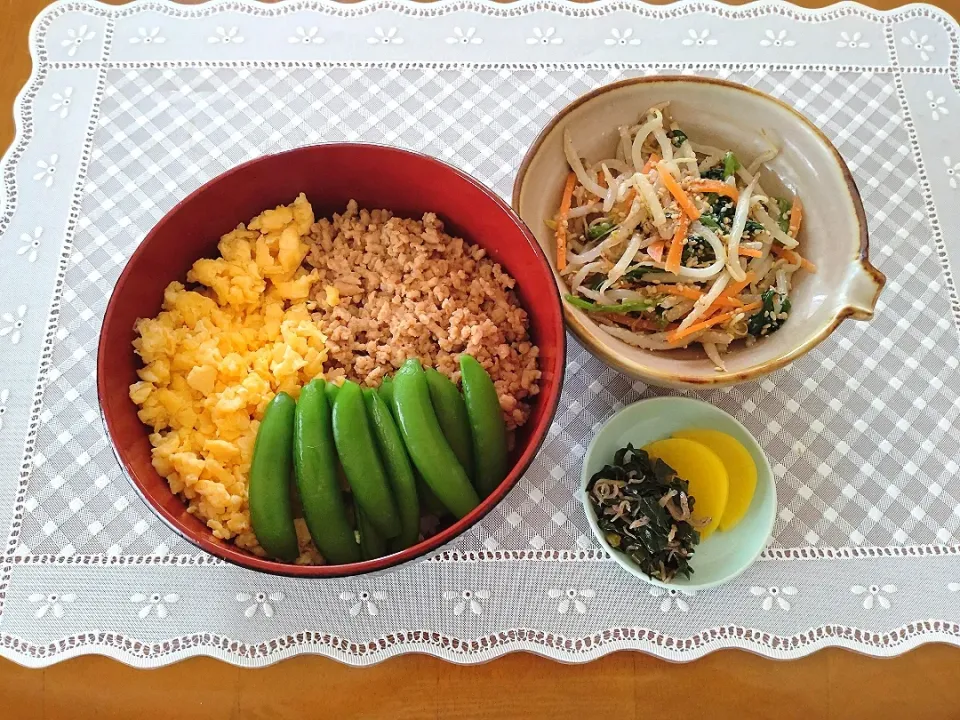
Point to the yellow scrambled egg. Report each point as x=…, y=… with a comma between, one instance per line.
x=215, y=357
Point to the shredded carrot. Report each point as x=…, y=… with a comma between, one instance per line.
x=729, y=292
x=796, y=214
x=672, y=264
x=714, y=186
x=678, y=335
x=648, y=165
x=562, y=218
x=793, y=257
x=681, y=290
x=728, y=302
x=655, y=250
x=601, y=180
x=749, y=252
x=683, y=200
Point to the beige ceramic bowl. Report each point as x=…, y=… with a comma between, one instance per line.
x=724, y=114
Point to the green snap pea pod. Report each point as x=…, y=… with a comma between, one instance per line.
x=429, y=502
x=428, y=448
x=271, y=511
x=331, y=390
x=372, y=545
x=486, y=422
x=361, y=461
x=452, y=414
x=315, y=460
x=386, y=392
x=398, y=467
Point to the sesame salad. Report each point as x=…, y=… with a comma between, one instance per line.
x=671, y=243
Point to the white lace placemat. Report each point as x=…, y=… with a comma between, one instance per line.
x=128, y=109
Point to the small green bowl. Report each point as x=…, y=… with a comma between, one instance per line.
x=723, y=555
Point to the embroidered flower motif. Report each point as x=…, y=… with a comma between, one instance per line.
x=874, y=594
x=778, y=39
x=467, y=598
x=76, y=38
x=154, y=603
x=389, y=37
x=48, y=170
x=61, y=102
x=953, y=171
x=699, y=39
x=364, y=599
x=13, y=324
x=852, y=41
x=674, y=597
x=306, y=36
x=773, y=594
x=4, y=397
x=622, y=38
x=261, y=601
x=148, y=36
x=919, y=44
x=544, y=37
x=226, y=36
x=938, y=105
x=572, y=597
x=31, y=244
x=953, y=587
x=52, y=603
x=464, y=37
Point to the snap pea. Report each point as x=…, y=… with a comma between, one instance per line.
x=271, y=511
x=428, y=448
x=315, y=460
x=331, y=390
x=486, y=422
x=452, y=414
x=386, y=392
x=361, y=461
x=398, y=467
x=428, y=501
x=372, y=545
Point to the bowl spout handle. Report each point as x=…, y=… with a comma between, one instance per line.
x=863, y=290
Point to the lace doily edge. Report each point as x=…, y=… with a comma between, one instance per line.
x=141, y=654
x=504, y=9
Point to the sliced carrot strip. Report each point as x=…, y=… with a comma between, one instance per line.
x=656, y=250
x=683, y=200
x=562, y=218
x=796, y=214
x=678, y=335
x=731, y=291
x=793, y=257
x=750, y=252
x=676, y=245
x=714, y=186
x=728, y=302
x=648, y=165
x=624, y=205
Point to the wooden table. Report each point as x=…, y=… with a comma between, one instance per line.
x=734, y=684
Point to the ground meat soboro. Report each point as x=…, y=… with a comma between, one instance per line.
x=391, y=289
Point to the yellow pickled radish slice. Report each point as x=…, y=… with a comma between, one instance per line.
x=741, y=471
x=705, y=473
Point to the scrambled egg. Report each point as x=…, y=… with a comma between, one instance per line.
x=215, y=357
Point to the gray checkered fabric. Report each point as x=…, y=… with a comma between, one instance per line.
x=862, y=433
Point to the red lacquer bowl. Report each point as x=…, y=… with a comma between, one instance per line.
x=406, y=183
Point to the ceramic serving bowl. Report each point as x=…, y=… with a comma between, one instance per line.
x=407, y=183
x=724, y=554
x=723, y=114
